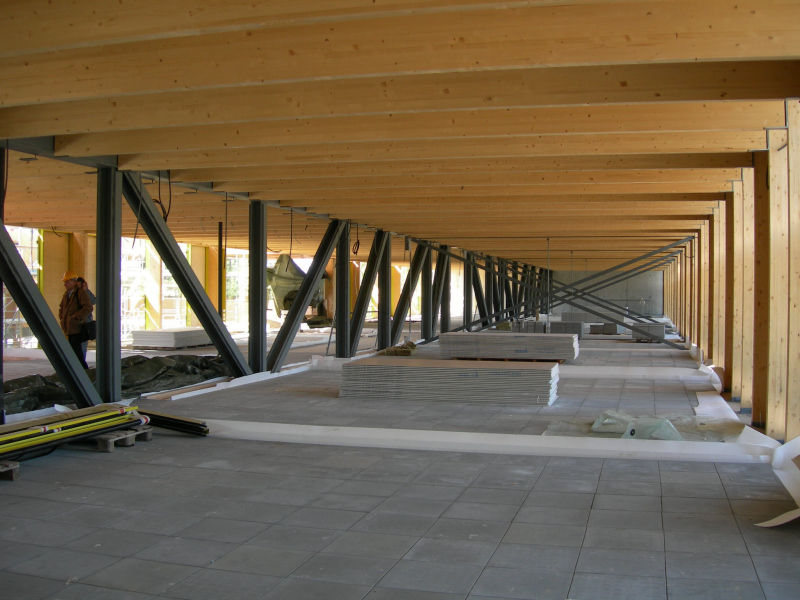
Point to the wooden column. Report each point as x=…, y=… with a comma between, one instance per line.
x=761, y=288
x=793, y=384
x=748, y=286
x=735, y=290
x=708, y=276
x=778, y=282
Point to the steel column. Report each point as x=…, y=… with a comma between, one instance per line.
x=515, y=288
x=442, y=260
x=385, y=296
x=3, y=178
x=480, y=299
x=257, y=305
x=342, y=315
x=500, y=288
x=488, y=291
x=291, y=324
x=404, y=302
x=427, y=297
x=379, y=243
x=220, y=269
x=153, y=224
x=109, y=281
x=22, y=287
x=445, y=297
x=510, y=301
x=468, y=270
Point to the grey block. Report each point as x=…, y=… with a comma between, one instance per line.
x=262, y=561
x=624, y=539
x=356, y=543
x=207, y=584
x=379, y=522
x=614, y=561
x=585, y=485
x=223, y=530
x=493, y=496
x=693, y=490
x=705, y=589
x=357, y=570
x=519, y=583
x=594, y=586
x=632, y=519
x=413, y=506
x=138, y=575
x=549, y=535
x=706, y=542
x=509, y=476
x=295, y=538
x=323, y=518
x=432, y=577
x=690, y=565
x=552, y=516
x=452, y=551
x=705, y=523
x=630, y=488
x=535, y=557
x=695, y=505
x=626, y=502
x=112, y=542
x=467, y=529
x=560, y=499
x=199, y=553
x=481, y=511
x=430, y=492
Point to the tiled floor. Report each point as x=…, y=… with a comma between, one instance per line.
x=195, y=518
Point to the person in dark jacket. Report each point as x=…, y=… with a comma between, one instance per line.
x=72, y=312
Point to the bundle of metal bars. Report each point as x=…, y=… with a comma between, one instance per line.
x=469, y=381
x=183, y=424
x=35, y=437
x=509, y=346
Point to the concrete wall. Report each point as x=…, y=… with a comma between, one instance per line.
x=643, y=293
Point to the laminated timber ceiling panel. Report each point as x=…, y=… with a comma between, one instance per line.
x=584, y=131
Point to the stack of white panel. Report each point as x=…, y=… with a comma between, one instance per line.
x=171, y=338
x=575, y=327
x=412, y=379
x=509, y=346
x=529, y=326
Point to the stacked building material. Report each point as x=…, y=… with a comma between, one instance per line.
x=605, y=328
x=529, y=326
x=450, y=380
x=509, y=346
x=575, y=327
x=656, y=331
x=182, y=337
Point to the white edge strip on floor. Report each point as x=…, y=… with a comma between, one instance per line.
x=491, y=443
x=785, y=468
x=568, y=371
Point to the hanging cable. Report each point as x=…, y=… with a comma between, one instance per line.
x=169, y=191
x=357, y=243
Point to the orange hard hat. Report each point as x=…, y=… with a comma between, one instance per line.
x=69, y=275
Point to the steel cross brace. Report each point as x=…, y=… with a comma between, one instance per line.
x=442, y=263
x=156, y=229
x=379, y=243
x=291, y=324
x=404, y=301
x=37, y=313
x=601, y=302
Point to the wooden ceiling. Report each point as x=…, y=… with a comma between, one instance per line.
x=571, y=133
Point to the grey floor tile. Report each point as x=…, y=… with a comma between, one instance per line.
x=777, y=568
x=705, y=589
x=17, y=586
x=693, y=490
x=692, y=466
x=430, y=492
x=762, y=510
x=113, y=542
x=239, y=510
x=624, y=539
x=633, y=519
x=307, y=589
x=613, y=561
x=552, y=516
x=413, y=506
x=781, y=591
x=631, y=488
x=198, y=553
x=705, y=523
x=79, y=591
x=222, y=530
x=206, y=584
x=138, y=575
x=395, y=594
x=584, y=485
x=481, y=511
x=560, y=499
x=626, y=502
x=63, y=564
x=432, y=577
x=357, y=570
x=513, y=477
x=152, y=522
x=11, y=554
x=695, y=505
x=593, y=586
x=698, y=477
x=550, y=535
x=262, y=561
x=691, y=565
x=775, y=541
x=700, y=541
x=757, y=492
x=295, y=538
x=384, y=545
x=467, y=529
x=347, y=502
x=379, y=522
x=323, y=518
x=523, y=583
x=493, y=496
x=535, y=557
x=366, y=488
x=41, y=533
x=452, y=551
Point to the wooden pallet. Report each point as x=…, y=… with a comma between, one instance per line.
x=9, y=470
x=123, y=437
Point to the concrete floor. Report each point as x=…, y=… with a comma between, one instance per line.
x=195, y=518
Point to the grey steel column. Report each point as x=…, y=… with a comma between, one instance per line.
x=153, y=224
x=385, y=296
x=500, y=288
x=515, y=295
x=468, y=268
x=442, y=260
x=3, y=176
x=291, y=324
x=257, y=304
x=109, y=281
x=37, y=313
x=404, y=302
x=480, y=298
x=445, y=298
x=427, y=297
x=342, y=314
x=379, y=243
x=489, y=288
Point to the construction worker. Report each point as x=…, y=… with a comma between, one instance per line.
x=72, y=312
